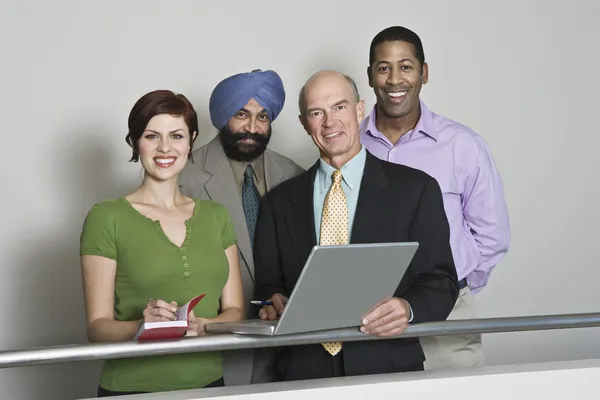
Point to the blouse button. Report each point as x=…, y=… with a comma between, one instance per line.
x=186, y=273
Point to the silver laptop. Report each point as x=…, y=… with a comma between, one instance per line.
x=337, y=287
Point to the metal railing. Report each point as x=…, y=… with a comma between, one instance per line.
x=213, y=342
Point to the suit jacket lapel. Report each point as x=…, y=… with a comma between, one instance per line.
x=221, y=188
x=373, y=183
x=273, y=174
x=301, y=221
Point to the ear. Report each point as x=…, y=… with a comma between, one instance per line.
x=304, y=123
x=425, y=73
x=360, y=111
x=369, y=77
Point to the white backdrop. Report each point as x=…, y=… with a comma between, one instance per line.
x=523, y=73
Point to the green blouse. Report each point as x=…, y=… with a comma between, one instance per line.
x=149, y=265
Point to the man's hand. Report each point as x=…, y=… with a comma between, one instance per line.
x=387, y=318
x=273, y=312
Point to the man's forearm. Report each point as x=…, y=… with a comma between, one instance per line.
x=432, y=299
x=490, y=257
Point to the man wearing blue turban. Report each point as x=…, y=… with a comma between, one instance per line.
x=236, y=169
x=232, y=93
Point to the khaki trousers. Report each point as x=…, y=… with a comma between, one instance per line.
x=456, y=351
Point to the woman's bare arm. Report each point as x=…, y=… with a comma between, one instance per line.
x=98, y=291
x=232, y=296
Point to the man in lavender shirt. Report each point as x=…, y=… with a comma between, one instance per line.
x=401, y=129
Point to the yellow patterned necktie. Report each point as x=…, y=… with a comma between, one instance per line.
x=334, y=229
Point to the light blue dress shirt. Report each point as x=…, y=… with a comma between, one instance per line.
x=352, y=173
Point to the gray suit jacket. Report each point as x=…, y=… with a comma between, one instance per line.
x=210, y=177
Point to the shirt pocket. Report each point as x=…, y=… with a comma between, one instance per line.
x=450, y=188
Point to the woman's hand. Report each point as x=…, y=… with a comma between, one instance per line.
x=196, y=326
x=160, y=310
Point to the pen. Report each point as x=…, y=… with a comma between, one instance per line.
x=262, y=303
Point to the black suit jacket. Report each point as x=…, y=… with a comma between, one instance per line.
x=396, y=203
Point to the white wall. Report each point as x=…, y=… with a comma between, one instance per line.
x=523, y=73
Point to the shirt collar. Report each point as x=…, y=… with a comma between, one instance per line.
x=424, y=124
x=352, y=171
x=240, y=166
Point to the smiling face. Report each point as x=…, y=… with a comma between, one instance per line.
x=331, y=116
x=397, y=76
x=247, y=134
x=164, y=147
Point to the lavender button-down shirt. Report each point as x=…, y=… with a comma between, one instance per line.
x=461, y=161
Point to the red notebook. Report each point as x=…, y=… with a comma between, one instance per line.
x=168, y=329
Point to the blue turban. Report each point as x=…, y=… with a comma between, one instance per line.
x=232, y=94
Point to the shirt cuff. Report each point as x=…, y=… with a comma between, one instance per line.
x=411, y=314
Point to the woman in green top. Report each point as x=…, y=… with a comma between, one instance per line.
x=154, y=249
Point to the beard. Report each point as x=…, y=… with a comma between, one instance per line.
x=392, y=109
x=237, y=150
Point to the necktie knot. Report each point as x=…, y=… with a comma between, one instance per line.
x=337, y=177
x=249, y=174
